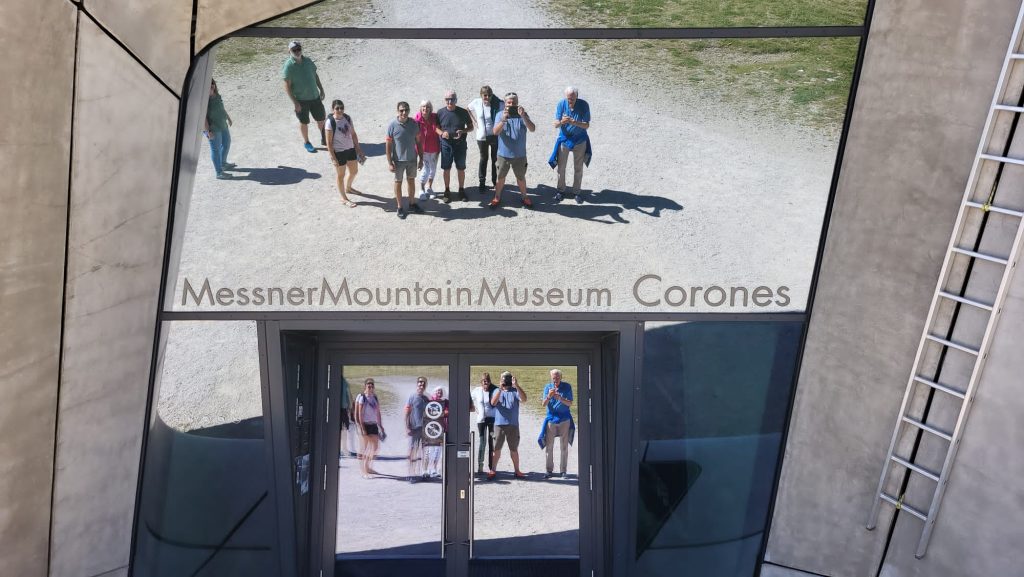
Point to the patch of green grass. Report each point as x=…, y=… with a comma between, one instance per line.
x=810, y=77
x=235, y=51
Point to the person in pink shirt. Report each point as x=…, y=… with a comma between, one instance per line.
x=427, y=119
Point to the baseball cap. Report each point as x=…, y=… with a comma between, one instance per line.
x=294, y=44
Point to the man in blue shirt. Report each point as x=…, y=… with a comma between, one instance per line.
x=506, y=402
x=511, y=128
x=572, y=119
x=558, y=400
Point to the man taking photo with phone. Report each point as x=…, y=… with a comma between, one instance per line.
x=506, y=402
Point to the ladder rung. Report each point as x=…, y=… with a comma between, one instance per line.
x=951, y=344
x=892, y=501
x=940, y=387
x=915, y=468
x=991, y=208
x=980, y=255
x=1003, y=159
x=966, y=301
x=929, y=428
x=1008, y=108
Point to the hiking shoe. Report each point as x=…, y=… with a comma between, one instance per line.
x=230, y=166
x=558, y=197
x=222, y=176
x=462, y=195
x=309, y=148
x=415, y=208
x=527, y=203
x=447, y=197
x=402, y=214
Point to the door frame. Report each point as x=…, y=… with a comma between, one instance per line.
x=612, y=464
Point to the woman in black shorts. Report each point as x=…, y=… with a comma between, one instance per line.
x=370, y=425
x=346, y=154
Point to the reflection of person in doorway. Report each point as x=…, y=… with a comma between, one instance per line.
x=217, y=122
x=433, y=446
x=414, y=408
x=484, y=421
x=506, y=418
x=558, y=422
x=347, y=417
x=370, y=425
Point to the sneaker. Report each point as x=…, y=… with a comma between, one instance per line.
x=447, y=197
x=222, y=176
x=562, y=475
x=430, y=191
x=527, y=203
x=462, y=195
x=309, y=148
x=230, y=166
x=579, y=198
x=415, y=208
x=423, y=195
x=558, y=197
x=548, y=475
x=402, y=214
x=482, y=187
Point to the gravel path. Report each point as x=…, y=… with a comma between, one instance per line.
x=683, y=187
x=410, y=517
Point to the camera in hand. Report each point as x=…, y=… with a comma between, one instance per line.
x=506, y=381
x=513, y=111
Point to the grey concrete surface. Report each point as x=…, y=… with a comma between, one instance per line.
x=34, y=165
x=769, y=570
x=32, y=248
x=894, y=211
x=215, y=18
x=157, y=31
x=124, y=132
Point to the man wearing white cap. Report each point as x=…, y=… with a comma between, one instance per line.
x=302, y=85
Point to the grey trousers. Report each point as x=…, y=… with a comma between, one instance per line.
x=579, y=153
x=560, y=430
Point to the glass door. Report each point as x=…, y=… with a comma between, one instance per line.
x=530, y=444
x=390, y=469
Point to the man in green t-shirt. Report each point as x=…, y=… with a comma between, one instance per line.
x=302, y=85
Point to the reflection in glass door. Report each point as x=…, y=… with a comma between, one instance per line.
x=525, y=424
x=391, y=478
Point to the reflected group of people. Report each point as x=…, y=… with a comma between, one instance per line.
x=419, y=143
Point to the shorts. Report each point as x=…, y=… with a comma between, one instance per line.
x=370, y=429
x=345, y=421
x=405, y=169
x=518, y=166
x=314, y=107
x=416, y=439
x=453, y=150
x=510, y=432
x=345, y=156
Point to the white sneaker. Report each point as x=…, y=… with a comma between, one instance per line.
x=430, y=191
x=424, y=195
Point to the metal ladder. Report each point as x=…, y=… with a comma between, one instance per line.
x=933, y=343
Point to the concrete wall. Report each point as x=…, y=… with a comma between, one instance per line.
x=104, y=82
x=928, y=78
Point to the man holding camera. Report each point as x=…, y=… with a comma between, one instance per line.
x=572, y=119
x=454, y=123
x=511, y=128
x=558, y=422
x=506, y=402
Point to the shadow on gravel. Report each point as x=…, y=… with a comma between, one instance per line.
x=565, y=542
x=282, y=175
x=371, y=149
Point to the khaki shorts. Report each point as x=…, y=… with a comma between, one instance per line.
x=405, y=170
x=510, y=432
x=518, y=166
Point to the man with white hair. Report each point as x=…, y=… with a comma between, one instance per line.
x=558, y=422
x=454, y=123
x=572, y=119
